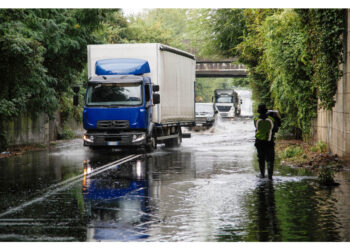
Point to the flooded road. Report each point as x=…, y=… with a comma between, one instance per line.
x=205, y=190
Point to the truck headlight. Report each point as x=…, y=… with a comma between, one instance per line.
x=89, y=138
x=138, y=137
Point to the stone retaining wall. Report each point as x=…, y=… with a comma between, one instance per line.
x=30, y=129
x=333, y=127
x=27, y=129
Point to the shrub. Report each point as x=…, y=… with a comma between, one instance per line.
x=320, y=147
x=67, y=132
x=292, y=151
x=326, y=176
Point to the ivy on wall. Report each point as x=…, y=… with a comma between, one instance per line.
x=294, y=59
x=325, y=29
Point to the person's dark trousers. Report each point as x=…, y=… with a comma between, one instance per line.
x=266, y=153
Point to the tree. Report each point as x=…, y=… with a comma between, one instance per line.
x=251, y=51
x=153, y=26
x=228, y=26
x=24, y=79
x=42, y=52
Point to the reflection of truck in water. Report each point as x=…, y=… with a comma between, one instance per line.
x=116, y=202
x=125, y=83
x=205, y=115
x=227, y=103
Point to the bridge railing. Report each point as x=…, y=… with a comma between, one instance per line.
x=223, y=68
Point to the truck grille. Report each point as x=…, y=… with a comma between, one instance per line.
x=114, y=138
x=223, y=108
x=201, y=120
x=117, y=124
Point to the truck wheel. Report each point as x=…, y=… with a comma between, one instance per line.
x=151, y=145
x=176, y=142
x=169, y=143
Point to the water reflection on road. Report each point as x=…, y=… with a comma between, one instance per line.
x=117, y=203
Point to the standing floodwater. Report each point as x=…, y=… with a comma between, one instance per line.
x=206, y=190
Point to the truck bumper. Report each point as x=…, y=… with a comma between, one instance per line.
x=125, y=139
x=204, y=122
x=227, y=115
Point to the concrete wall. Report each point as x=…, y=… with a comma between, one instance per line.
x=27, y=129
x=333, y=127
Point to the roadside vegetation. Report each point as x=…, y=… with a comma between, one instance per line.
x=299, y=154
x=43, y=53
x=293, y=56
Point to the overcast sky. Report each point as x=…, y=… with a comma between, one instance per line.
x=131, y=4
x=128, y=11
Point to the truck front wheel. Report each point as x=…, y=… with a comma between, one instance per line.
x=151, y=145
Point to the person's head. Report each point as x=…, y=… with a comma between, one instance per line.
x=262, y=108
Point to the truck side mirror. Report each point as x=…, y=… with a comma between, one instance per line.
x=76, y=100
x=155, y=88
x=156, y=98
x=76, y=89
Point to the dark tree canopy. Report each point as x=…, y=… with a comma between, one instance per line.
x=42, y=53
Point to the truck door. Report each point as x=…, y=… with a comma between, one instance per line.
x=148, y=102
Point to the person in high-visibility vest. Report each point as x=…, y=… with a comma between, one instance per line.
x=266, y=127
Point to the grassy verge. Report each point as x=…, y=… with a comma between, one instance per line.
x=297, y=153
x=20, y=149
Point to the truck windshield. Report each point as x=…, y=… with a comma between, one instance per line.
x=205, y=108
x=126, y=94
x=223, y=99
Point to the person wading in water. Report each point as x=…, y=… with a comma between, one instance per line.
x=266, y=125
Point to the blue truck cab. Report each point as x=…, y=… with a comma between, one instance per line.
x=119, y=101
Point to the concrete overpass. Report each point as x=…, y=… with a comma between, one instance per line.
x=222, y=68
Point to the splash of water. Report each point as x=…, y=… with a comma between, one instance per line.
x=247, y=104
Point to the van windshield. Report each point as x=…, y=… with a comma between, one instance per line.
x=119, y=94
x=205, y=108
x=224, y=99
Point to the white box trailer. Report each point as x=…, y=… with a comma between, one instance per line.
x=172, y=69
